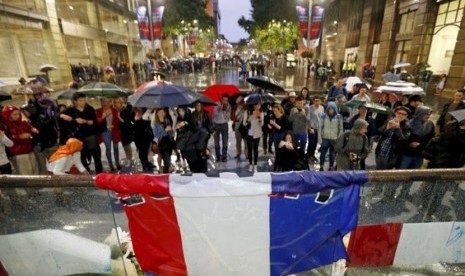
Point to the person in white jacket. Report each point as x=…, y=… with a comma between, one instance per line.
x=5, y=142
x=62, y=161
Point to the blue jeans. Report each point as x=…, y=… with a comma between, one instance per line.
x=325, y=145
x=107, y=137
x=410, y=162
x=301, y=139
x=221, y=129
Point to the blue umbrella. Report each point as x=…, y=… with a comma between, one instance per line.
x=260, y=98
x=162, y=96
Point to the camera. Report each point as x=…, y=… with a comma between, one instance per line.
x=354, y=157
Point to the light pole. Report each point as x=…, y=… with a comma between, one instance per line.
x=310, y=8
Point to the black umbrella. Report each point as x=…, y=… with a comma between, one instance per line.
x=266, y=83
x=158, y=73
x=206, y=101
x=64, y=95
x=261, y=98
x=162, y=96
x=4, y=96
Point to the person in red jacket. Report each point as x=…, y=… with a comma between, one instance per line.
x=107, y=118
x=20, y=132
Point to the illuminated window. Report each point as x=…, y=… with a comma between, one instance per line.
x=449, y=13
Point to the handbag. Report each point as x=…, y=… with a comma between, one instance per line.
x=243, y=130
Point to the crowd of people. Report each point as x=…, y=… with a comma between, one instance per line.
x=292, y=131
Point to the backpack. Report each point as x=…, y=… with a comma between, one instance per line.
x=346, y=139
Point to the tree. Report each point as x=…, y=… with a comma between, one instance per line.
x=242, y=45
x=276, y=36
x=204, y=41
x=187, y=11
x=265, y=11
x=246, y=24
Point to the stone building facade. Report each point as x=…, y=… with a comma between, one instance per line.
x=64, y=32
x=385, y=32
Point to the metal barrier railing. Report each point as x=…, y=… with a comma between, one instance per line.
x=387, y=176
x=91, y=213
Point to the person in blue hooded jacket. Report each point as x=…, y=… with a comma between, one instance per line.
x=331, y=126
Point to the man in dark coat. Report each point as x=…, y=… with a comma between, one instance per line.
x=456, y=104
x=443, y=151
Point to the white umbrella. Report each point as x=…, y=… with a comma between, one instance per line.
x=52, y=252
x=401, y=64
x=400, y=83
x=47, y=67
x=401, y=89
x=351, y=81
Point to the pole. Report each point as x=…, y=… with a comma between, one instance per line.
x=149, y=6
x=310, y=4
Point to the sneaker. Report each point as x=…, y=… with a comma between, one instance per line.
x=224, y=159
x=251, y=168
x=321, y=169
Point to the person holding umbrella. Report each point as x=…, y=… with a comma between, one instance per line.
x=221, y=117
x=253, y=120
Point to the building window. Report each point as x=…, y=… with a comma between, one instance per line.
x=402, y=50
x=449, y=13
x=407, y=21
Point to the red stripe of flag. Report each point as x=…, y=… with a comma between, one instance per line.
x=374, y=245
x=153, y=224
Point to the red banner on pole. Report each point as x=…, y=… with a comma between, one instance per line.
x=302, y=16
x=143, y=20
x=157, y=19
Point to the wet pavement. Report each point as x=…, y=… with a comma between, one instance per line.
x=93, y=213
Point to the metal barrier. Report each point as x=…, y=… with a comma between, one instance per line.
x=394, y=228
x=374, y=176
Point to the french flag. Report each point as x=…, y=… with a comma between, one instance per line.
x=267, y=224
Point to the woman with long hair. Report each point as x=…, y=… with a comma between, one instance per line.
x=278, y=124
x=305, y=93
x=183, y=131
x=253, y=120
x=287, y=156
x=163, y=138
